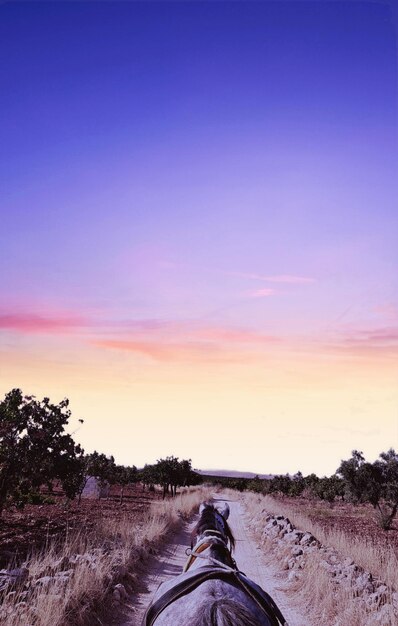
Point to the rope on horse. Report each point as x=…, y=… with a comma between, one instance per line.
x=239, y=576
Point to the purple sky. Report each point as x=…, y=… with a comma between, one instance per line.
x=173, y=175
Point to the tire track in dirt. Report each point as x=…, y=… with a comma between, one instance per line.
x=167, y=564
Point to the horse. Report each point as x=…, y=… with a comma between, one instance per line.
x=211, y=591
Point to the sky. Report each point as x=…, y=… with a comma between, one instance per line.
x=199, y=226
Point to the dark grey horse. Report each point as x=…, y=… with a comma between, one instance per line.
x=211, y=591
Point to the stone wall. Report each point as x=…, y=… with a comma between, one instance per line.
x=293, y=548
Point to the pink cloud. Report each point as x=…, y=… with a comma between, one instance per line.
x=33, y=323
x=177, y=352
x=234, y=335
x=261, y=293
x=389, y=311
x=373, y=336
x=190, y=341
x=381, y=341
x=188, y=330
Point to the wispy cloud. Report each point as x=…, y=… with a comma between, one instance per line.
x=389, y=311
x=261, y=293
x=171, y=352
x=32, y=323
x=382, y=341
x=159, y=339
x=190, y=341
x=292, y=279
x=277, y=278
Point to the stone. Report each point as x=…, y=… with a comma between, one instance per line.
x=293, y=576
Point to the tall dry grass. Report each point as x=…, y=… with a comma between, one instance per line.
x=96, y=561
x=325, y=602
x=382, y=562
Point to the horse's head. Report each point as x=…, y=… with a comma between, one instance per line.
x=222, y=510
x=213, y=523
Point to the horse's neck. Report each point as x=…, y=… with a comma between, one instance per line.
x=209, y=550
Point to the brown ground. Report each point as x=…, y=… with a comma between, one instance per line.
x=22, y=531
x=359, y=520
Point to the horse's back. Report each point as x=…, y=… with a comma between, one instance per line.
x=213, y=602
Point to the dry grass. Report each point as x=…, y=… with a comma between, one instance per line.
x=381, y=562
x=116, y=547
x=326, y=603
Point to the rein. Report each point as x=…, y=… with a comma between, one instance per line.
x=201, y=546
x=195, y=554
x=238, y=576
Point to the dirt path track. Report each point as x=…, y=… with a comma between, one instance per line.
x=248, y=557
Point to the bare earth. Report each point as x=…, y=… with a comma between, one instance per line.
x=248, y=557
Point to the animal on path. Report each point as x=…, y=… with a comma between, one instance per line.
x=211, y=591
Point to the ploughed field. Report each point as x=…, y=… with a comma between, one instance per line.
x=37, y=525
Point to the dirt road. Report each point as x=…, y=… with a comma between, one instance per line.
x=248, y=557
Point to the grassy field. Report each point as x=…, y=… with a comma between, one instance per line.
x=71, y=579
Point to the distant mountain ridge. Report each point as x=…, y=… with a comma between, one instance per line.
x=231, y=473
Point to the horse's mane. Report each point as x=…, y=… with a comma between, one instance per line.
x=206, y=522
x=223, y=612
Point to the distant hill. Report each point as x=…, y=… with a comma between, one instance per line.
x=231, y=473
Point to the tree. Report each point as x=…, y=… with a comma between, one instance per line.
x=362, y=479
x=34, y=447
x=168, y=474
x=376, y=483
x=297, y=485
x=387, y=465
x=125, y=476
x=148, y=476
x=329, y=488
x=280, y=484
x=100, y=466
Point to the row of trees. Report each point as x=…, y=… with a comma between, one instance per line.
x=35, y=450
x=356, y=480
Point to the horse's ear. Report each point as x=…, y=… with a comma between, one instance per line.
x=202, y=507
x=224, y=510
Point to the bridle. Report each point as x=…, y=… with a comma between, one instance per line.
x=204, y=544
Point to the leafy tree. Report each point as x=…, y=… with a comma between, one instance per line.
x=257, y=485
x=125, y=476
x=311, y=482
x=297, y=485
x=34, y=448
x=387, y=465
x=376, y=483
x=100, y=466
x=170, y=473
x=148, y=476
x=329, y=488
x=362, y=479
x=280, y=484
